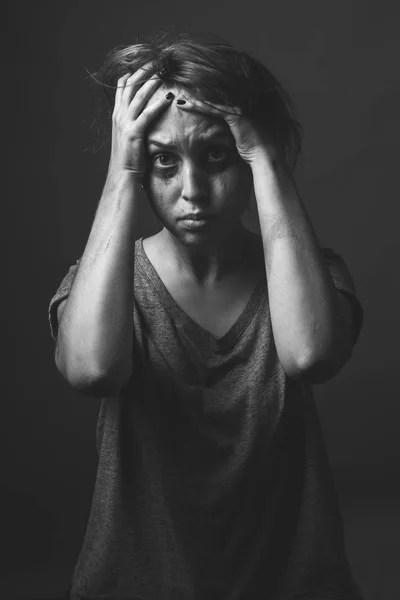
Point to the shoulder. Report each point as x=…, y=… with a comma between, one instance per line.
x=154, y=252
x=150, y=244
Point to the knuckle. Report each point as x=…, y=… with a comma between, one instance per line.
x=133, y=135
x=128, y=131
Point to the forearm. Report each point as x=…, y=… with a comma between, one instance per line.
x=304, y=307
x=96, y=329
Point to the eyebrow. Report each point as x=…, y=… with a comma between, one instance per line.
x=219, y=133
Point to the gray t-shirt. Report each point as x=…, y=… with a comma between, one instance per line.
x=213, y=479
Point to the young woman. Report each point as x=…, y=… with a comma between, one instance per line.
x=204, y=340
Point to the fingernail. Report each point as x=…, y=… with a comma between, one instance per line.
x=181, y=101
x=169, y=96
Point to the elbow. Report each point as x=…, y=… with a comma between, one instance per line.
x=325, y=356
x=316, y=370
x=320, y=372
x=90, y=380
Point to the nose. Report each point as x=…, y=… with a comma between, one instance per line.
x=194, y=182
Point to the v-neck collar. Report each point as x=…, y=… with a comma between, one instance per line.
x=196, y=332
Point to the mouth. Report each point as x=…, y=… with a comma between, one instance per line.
x=195, y=223
x=197, y=217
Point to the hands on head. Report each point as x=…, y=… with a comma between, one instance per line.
x=130, y=119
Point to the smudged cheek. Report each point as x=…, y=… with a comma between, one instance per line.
x=162, y=195
x=232, y=186
x=161, y=185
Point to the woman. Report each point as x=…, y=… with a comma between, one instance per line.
x=203, y=341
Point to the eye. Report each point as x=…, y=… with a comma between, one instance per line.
x=217, y=153
x=164, y=160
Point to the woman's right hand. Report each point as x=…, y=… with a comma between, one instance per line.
x=130, y=121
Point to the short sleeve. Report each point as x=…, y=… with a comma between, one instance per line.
x=60, y=295
x=344, y=283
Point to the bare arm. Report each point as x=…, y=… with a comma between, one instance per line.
x=312, y=324
x=94, y=344
x=95, y=335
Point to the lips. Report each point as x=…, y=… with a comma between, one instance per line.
x=197, y=217
x=196, y=224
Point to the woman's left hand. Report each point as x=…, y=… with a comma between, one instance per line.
x=250, y=144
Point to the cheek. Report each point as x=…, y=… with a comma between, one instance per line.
x=160, y=193
x=237, y=182
x=162, y=184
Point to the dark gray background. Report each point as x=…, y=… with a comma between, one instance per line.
x=340, y=61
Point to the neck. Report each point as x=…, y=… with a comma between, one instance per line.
x=207, y=265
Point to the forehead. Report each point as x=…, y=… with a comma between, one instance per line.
x=176, y=125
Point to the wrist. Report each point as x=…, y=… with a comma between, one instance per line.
x=273, y=179
x=268, y=157
x=119, y=179
x=271, y=164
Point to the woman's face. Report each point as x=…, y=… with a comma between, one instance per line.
x=193, y=166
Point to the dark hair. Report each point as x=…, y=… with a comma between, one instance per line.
x=213, y=70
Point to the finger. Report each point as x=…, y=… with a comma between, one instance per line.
x=132, y=84
x=209, y=107
x=150, y=112
x=120, y=87
x=142, y=97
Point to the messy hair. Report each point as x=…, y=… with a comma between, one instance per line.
x=212, y=70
